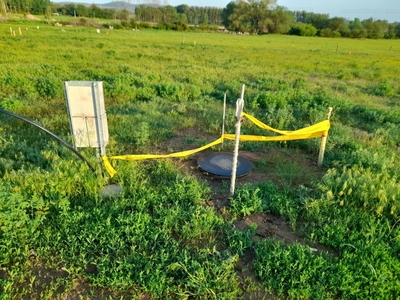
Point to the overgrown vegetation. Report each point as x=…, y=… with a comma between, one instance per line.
x=159, y=239
x=254, y=16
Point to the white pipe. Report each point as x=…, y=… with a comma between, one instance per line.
x=239, y=110
x=223, y=118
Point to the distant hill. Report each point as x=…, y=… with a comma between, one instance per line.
x=112, y=5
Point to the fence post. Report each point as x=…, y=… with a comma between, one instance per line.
x=323, y=142
x=239, y=110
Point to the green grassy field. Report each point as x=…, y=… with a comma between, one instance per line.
x=60, y=239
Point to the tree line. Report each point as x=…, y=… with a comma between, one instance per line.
x=265, y=16
x=253, y=16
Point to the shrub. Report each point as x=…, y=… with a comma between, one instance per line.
x=327, y=32
x=361, y=188
x=383, y=89
x=294, y=270
x=180, y=26
x=48, y=87
x=125, y=24
x=303, y=30
x=246, y=201
x=118, y=26
x=11, y=104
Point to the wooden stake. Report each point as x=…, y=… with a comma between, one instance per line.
x=223, y=118
x=337, y=48
x=19, y=29
x=323, y=142
x=239, y=110
x=183, y=39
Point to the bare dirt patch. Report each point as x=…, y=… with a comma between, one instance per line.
x=32, y=17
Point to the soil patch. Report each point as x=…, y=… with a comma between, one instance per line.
x=32, y=17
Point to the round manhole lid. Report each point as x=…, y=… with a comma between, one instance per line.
x=220, y=164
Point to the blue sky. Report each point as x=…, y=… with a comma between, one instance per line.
x=363, y=9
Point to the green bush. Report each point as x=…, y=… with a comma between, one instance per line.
x=383, y=89
x=48, y=87
x=246, y=201
x=303, y=30
x=294, y=270
x=11, y=104
x=359, y=187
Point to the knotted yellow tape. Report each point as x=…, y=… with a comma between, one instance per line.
x=110, y=170
x=314, y=131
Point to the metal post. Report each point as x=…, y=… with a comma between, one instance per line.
x=323, y=142
x=239, y=110
x=223, y=118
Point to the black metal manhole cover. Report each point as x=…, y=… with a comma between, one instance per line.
x=220, y=164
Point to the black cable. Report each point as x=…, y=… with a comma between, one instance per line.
x=51, y=133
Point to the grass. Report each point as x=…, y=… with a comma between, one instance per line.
x=159, y=239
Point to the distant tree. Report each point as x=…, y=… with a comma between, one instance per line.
x=339, y=25
x=82, y=10
x=70, y=9
x=39, y=6
x=227, y=12
x=123, y=15
x=205, y=19
x=282, y=19
x=182, y=9
x=391, y=31
x=95, y=11
x=169, y=14
x=357, y=29
x=184, y=19
x=300, y=16
x=319, y=21
x=375, y=29
x=108, y=13
x=397, y=30
x=252, y=15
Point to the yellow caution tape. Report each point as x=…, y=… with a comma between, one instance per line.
x=262, y=125
x=314, y=131
x=111, y=171
x=177, y=154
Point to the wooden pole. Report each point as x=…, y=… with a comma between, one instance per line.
x=323, y=142
x=337, y=48
x=239, y=110
x=223, y=118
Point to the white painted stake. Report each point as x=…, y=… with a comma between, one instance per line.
x=223, y=118
x=239, y=110
x=323, y=142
